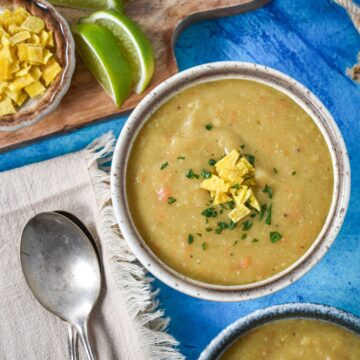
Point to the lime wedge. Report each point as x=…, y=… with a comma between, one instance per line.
x=133, y=40
x=91, y=4
x=100, y=51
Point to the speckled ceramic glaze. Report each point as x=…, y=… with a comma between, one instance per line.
x=217, y=71
x=278, y=312
x=35, y=109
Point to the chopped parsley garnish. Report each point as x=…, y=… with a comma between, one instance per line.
x=268, y=190
x=190, y=239
x=250, y=158
x=275, y=171
x=293, y=173
x=275, y=236
x=268, y=216
x=208, y=126
x=181, y=157
x=199, y=234
x=235, y=242
x=255, y=240
x=253, y=215
x=171, y=200
x=247, y=225
x=231, y=204
x=236, y=186
x=204, y=245
x=209, y=212
x=242, y=146
x=208, y=229
x=262, y=211
x=206, y=174
x=164, y=165
x=190, y=174
x=243, y=236
x=231, y=225
x=222, y=225
x=212, y=162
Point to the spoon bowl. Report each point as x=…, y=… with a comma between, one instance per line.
x=62, y=269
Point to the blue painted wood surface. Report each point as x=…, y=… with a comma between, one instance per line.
x=312, y=41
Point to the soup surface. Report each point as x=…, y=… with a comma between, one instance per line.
x=177, y=148
x=296, y=339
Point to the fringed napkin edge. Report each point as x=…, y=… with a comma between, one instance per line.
x=130, y=277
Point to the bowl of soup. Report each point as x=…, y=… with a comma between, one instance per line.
x=289, y=331
x=230, y=181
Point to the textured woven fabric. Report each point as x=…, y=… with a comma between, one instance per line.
x=123, y=324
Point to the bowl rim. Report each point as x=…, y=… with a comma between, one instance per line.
x=215, y=71
x=278, y=312
x=66, y=73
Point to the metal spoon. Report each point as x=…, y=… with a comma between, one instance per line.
x=62, y=270
x=72, y=341
x=72, y=334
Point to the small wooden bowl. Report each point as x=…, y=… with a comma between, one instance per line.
x=35, y=109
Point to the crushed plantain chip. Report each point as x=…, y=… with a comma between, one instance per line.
x=27, y=62
x=232, y=183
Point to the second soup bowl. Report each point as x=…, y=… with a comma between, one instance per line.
x=289, y=331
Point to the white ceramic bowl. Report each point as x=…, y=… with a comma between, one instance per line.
x=278, y=312
x=216, y=71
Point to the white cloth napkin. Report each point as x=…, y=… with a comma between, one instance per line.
x=125, y=323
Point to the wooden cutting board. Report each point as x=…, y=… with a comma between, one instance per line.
x=86, y=102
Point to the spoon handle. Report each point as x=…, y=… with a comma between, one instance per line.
x=72, y=340
x=82, y=330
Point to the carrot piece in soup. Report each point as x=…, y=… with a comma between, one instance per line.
x=163, y=193
x=245, y=262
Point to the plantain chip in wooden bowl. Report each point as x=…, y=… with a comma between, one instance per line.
x=37, y=61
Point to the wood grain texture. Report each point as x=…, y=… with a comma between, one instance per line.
x=86, y=102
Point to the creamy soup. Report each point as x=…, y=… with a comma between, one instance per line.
x=296, y=340
x=177, y=149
